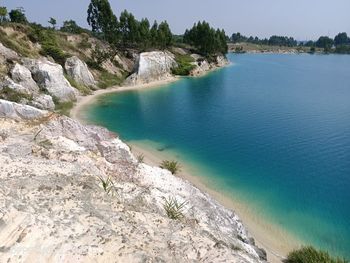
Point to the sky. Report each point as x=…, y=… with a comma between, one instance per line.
x=301, y=19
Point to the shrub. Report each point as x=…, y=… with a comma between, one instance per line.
x=172, y=166
x=184, y=65
x=173, y=208
x=108, y=80
x=13, y=95
x=311, y=255
x=82, y=88
x=63, y=107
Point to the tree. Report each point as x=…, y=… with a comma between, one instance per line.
x=341, y=39
x=18, y=16
x=164, y=35
x=3, y=14
x=206, y=39
x=102, y=20
x=325, y=42
x=71, y=26
x=53, y=22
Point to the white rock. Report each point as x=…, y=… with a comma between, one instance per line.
x=9, y=83
x=43, y=101
x=152, y=66
x=49, y=76
x=79, y=71
x=23, y=76
x=8, y=53
x=18, y=111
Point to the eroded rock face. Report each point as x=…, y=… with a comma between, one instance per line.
x=8, y=53
x=53, y=207
x=79, y=71
x=23, y=76
x=152, y=66
x=43, y=101
x=17, y=111
x=49, y=76
x=9, y=83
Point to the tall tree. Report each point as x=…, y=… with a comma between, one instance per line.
x=325, y=43
x=102, y=20
x=18, y=16
x=53, y=22
x=71, y=26
x=3, y=14
x=341, y=39
x=164, y=35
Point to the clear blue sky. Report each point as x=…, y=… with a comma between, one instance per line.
x=302, y=19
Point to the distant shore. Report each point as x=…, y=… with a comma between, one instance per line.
x=274, y=240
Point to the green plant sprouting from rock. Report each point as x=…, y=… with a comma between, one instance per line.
x=107, y=184
x=172, y=166
x=173, y=208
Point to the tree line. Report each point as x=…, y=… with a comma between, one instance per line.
x=340, y=43
x=126, y=31
x=206, y=39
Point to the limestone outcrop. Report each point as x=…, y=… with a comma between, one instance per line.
x=54, y=207
x=43, y=101
x=21, y=75
x=202, y=65
x=17, y=111
x=49, y=76
x=152, y=66
x=79, y=71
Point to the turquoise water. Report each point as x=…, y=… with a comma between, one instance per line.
x=272, y=130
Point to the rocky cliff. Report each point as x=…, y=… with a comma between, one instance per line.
x=75, y=193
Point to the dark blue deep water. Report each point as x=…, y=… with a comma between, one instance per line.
x=271, y=129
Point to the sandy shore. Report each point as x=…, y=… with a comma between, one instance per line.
x=273, y=239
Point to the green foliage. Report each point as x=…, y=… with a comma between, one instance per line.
x=311, y=255
x=172, y=166
x=272, y=41
x=206, y=39
x=70, y=26
x=173, y=208
x=107, y=184
x=107, y=80
x=18, y=16
x=13, y=95
x=53, y=50
x=82, y=88
x=102, y=20
x=341, y=39
x=342, y=49
x=53, y=22
x=184, y=65
x=3, y=14
x=325, y=42
x=63, y=107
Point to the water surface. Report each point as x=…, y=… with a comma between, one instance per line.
x=271, y=130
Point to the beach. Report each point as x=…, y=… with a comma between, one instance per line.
x=273, y=239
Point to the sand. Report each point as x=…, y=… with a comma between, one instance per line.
x=276, y=241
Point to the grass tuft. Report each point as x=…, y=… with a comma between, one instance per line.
x=172, y=166
x=173, y=208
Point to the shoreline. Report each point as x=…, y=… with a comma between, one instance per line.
x=277, y=245
x=276, y=241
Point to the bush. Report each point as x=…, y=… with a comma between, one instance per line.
x=63, y=107
x=54, y=51
x=173, y=208
x=12, y=95
x=82, y=88
x=172, y=166
x=185, y=65
x=107, y=80
x=311, y=255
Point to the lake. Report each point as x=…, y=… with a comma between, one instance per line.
x=271, y=130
